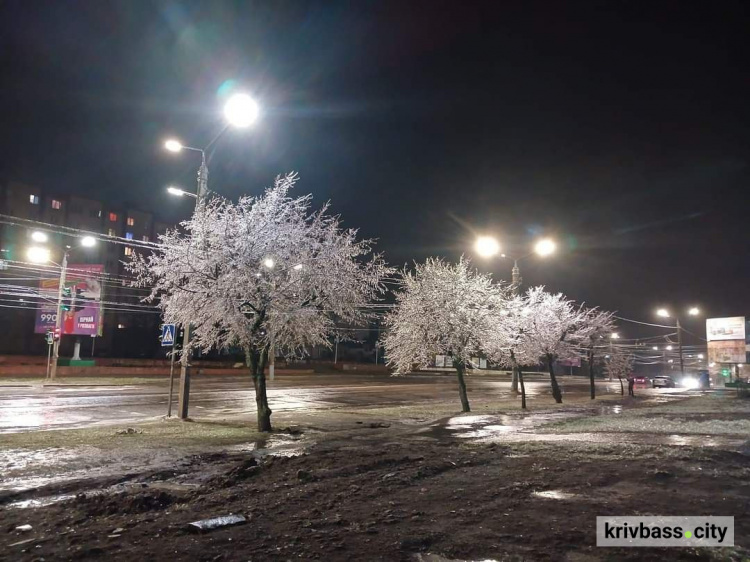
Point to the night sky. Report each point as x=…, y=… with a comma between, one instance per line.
x=620, y=128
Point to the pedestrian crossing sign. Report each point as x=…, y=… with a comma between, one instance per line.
x=167, y=335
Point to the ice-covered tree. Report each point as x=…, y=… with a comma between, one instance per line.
x=511, y=343
x=595, y=331
x=441, y=309
x=260, y=270
x=557, y=325
x=620, y=365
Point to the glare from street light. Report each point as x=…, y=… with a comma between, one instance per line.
x=88, y=241
x=36, y=254
x=663, y=312
x=269, y=263
x=487, y=246
x=175, y=191
x=39, y=236
x=695, y=311
x=545, y=247
x=173, y=145
x=241, y=110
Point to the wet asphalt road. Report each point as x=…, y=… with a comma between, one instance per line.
x=31, y=406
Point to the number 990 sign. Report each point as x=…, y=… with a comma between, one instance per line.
x=48, y=317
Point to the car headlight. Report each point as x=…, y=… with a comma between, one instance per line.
x=690, y=382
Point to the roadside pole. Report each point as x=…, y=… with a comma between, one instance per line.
x=50, y=338
x=169, y=339
x=171, y=383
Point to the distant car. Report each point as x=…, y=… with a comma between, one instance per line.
x=640, y=379
x=663, y=381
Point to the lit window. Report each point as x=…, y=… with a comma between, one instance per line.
x=121, y=326
x=56, y=204
x=111, y=232
x=34, y=199
x=113, y=217
x=128, y=251
x=129, y=235
x=145, y=238
x=131, y=221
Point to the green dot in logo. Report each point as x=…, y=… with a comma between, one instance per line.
x=688, y=534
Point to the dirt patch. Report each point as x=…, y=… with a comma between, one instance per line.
x=391, y=493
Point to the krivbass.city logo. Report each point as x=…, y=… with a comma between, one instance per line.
x=665, y=531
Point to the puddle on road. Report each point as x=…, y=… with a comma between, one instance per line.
x=274, y=445
x=39, y=502
x=554, y=495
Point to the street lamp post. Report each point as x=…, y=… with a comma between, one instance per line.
x=664, y=313
x=487, y=247
x=42, y=255
x=240, y=111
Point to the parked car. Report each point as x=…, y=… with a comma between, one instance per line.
x=663, y=381
x=640, y=379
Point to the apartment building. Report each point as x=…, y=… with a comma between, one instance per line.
x=125, y=333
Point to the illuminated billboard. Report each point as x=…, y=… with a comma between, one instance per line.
x=82, y=300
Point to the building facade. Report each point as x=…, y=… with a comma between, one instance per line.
x=127, y=331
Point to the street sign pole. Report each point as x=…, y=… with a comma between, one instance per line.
x=50, y=339
x=171, y=383
x=168, y=339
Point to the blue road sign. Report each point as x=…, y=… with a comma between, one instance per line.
x=167, y=335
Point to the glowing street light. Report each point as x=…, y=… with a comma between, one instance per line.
x=700, y=356
x=241, y=110
x=669, y=348
x=88, y=241
x=655, y=348
x=545, y=247
x=39, y=236
x=35, y=254
x=614, y=336
x=487, y=246
x=269, y=263
x=177, y=192
x=298, y=267
x=664, y=313
x=173, y=145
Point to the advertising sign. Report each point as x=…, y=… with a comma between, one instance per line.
x=570, y=362
x=82, y=299
x=726, y=351
x=720, y=329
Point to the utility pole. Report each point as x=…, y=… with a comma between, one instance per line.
x=679, y=344
x=183, y=398
x=58, y=318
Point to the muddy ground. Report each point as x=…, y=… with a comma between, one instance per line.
x=499, y=486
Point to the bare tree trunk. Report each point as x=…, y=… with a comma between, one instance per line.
x=556, y=394
x=591, y=373
x=460, y=369
x=514, y=380
x=523, y=388
x=258, y=358
x=622, y=388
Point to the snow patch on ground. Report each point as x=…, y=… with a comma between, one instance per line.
x=639, y=424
